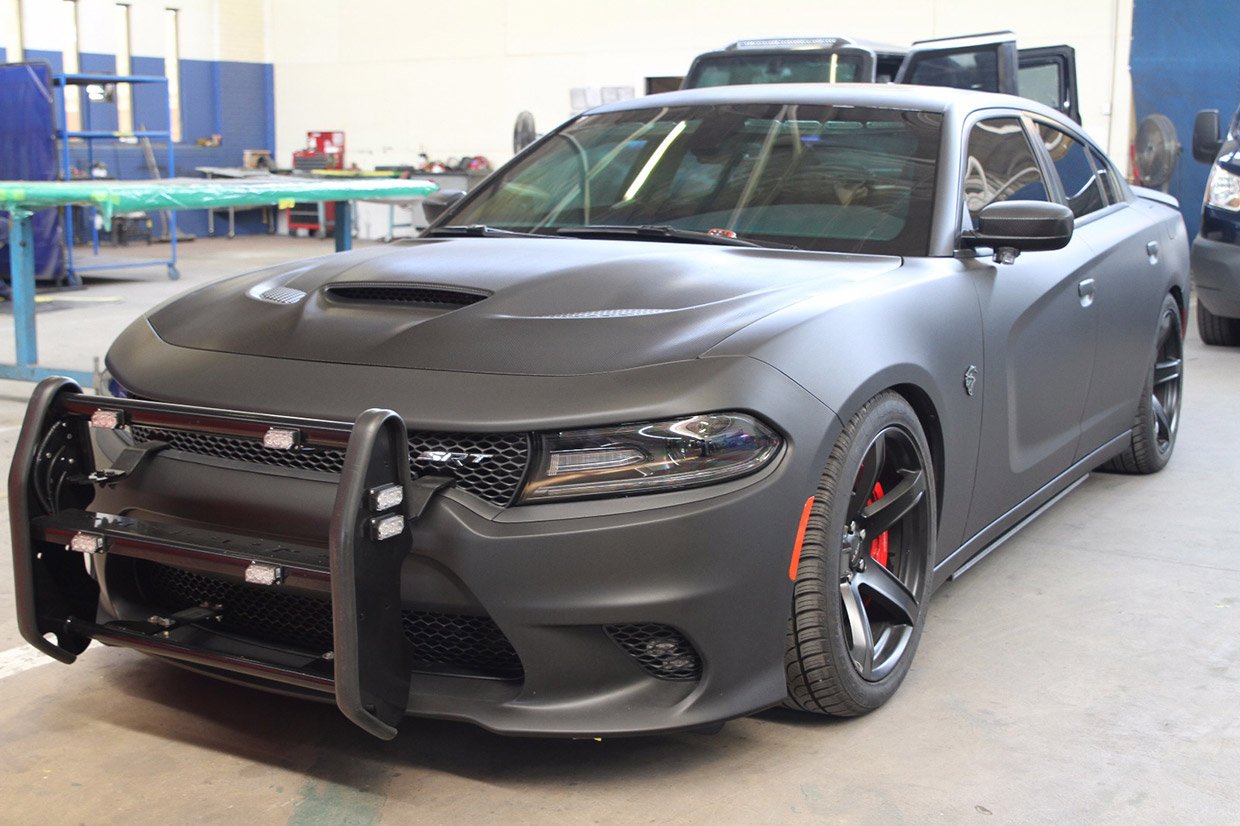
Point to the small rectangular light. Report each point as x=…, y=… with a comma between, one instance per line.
x=260, y=573
x=386, y=527
x=279, y=438
x=107, y=419
x=88, y=543
x=386, y=497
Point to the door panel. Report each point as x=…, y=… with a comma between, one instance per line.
x=1048, y=75
x=986, y=63
x=1040, y=336
x=1039, y=333
x=1127, y=304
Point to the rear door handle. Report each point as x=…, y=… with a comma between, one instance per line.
x=1085, y=289
x=1151, y=249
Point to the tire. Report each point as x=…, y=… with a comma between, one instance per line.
x=1158, y=410
x=859, y=604
x=1217, y=329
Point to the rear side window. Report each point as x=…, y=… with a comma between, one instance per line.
x=1075, y=166
x=1000, y=166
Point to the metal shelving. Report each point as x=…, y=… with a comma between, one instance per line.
x=68, y=82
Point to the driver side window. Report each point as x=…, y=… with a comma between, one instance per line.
x=1000, y=166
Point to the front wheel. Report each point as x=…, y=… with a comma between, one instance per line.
x=863, y=579
x=1158, y=410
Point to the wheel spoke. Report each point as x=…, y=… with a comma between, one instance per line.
x=1160, y=416
x=887, y=593
x=1165, y=371
x=871, y=465
x=861, y=648
x=884, y=513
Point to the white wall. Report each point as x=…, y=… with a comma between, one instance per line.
x=209, y=29
x=448, y=79
x=409, y=76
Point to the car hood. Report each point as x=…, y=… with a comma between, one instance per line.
x=554, y=306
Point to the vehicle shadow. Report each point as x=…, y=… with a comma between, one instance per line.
x=315, y=739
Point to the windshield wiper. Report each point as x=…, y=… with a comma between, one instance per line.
x=483, y=231
x=657, y=231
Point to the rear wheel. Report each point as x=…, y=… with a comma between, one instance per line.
x=863, y=579
x=1217, y=329
x=1158, y=410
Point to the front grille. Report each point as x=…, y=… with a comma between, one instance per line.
x=497, y=478
x=659, y=649
x=405, y=294
x=451, y=643
x=256, y=611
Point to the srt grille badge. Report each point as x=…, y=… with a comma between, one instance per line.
x=453, y=458
x=970, y=379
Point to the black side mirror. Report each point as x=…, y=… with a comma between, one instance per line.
x=1206, y=137
x=1013, y=227
x=437, y=203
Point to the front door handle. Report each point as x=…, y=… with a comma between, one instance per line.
x=1151, y=249
x=1085, y=289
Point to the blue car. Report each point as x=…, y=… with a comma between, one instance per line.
x=1216, y=250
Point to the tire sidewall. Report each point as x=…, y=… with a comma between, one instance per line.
x=881, y=412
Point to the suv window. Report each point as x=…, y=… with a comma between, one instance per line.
x=1073, y=162
x=794, y=67
x=1001, y=166
x=966, y=69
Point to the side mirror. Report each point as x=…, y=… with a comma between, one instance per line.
x=1013, y=227
x=1206, y=137
x=437, y=203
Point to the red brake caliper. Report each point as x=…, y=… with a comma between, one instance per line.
x=878, y=547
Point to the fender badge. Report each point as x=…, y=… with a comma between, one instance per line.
x=970, y=379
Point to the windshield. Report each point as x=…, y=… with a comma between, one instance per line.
x=845, y=179
x=804, y=67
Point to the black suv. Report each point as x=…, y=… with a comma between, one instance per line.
x=985, y=62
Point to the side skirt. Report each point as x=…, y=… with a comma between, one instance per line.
x=1006, y=526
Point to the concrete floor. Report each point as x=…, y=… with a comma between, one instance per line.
x=1088, y=671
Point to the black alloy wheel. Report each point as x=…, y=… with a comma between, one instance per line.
x=1158, y=409
x=862, y=583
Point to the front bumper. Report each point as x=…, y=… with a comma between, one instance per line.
x=613, y=617
x=1216, y=275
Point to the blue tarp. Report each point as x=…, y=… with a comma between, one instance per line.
x=28, y=153
x=1185, y=57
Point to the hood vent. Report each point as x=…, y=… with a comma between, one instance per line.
x=423, y=295
x=282, y=295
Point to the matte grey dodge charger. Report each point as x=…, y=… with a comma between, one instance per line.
x=682, y=414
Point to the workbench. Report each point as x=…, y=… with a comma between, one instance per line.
x=21, y=198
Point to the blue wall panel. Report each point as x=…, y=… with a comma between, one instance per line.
x=233, y=100
x=1185, y=57
x=99, y=115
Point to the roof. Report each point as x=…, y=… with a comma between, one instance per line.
x=878, y=95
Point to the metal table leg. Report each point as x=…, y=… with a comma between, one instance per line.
x=344, y=226
x=21, y=267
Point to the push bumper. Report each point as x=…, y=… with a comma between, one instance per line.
x=1216, y=275
x=564, y=583
x=360, y=567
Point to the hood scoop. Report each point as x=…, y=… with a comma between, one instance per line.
x=430, y=296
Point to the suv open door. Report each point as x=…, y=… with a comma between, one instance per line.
x=992, y=63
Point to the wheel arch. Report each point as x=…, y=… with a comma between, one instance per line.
x=932, y=426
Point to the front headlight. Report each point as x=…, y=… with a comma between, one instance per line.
x=1223, y=189
x=649, y=456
